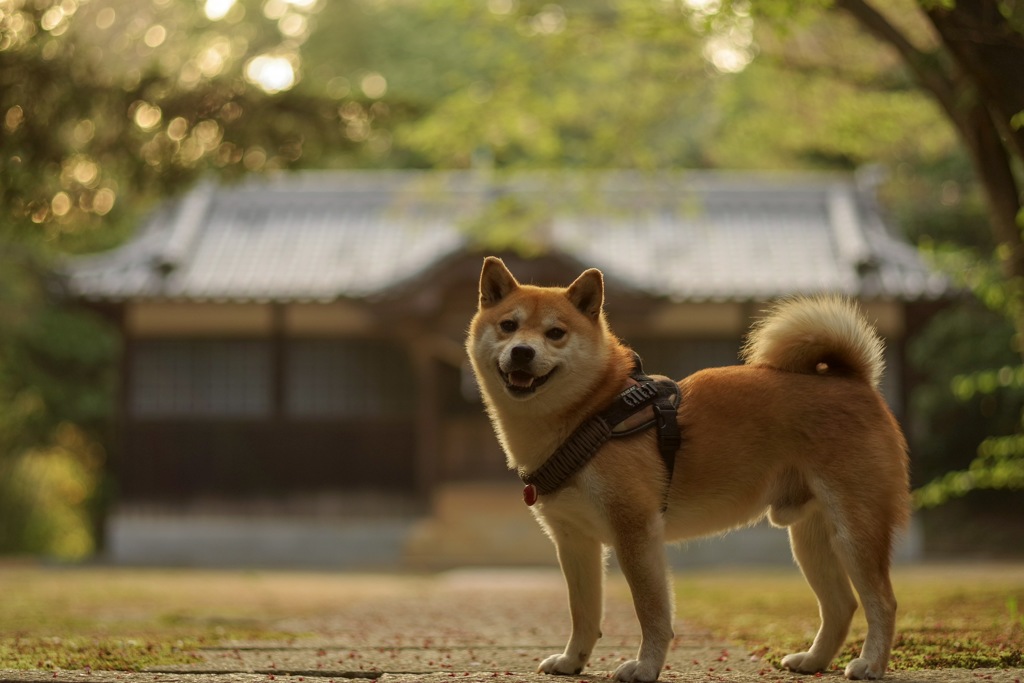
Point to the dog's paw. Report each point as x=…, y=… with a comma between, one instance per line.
x=560, y=665
x=860, y=669
x=803, y=663
x=635, y=670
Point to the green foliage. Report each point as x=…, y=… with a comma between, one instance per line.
x=45, y=497
x=984, y=473
x=56, y=388
x=115, y=105
x=939, y=203
x=510, y=223
x=842, y=124
x=959, y=342
x=821, y=94
x=570, y=85
x=108, y=107
x=980, y=375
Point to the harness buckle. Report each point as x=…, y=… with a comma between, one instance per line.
x=669, y=437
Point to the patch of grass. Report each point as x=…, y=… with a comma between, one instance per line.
x=963, y=617
x=122, y=619
x=94, y=653
x=104, y=618
x=1016, y=618
x=929, y=650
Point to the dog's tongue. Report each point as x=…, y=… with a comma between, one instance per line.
x=519, y=378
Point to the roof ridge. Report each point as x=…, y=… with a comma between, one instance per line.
x=719, y=236
x=186, y=227
x=852, y=245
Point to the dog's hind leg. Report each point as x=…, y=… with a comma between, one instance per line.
x=582, y=562
x=642, y=558
x=867, y=562
x=811, y=539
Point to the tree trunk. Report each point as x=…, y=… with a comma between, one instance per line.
x=990, y=49
x=990, y=53
x=977, y=77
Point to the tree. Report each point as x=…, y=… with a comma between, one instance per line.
x=975, y=72
x=56, y=386
x=512, y=85
x=107, y=107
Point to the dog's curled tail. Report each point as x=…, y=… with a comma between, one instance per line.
x=817, y=335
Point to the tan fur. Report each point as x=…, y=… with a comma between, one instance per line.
x=800, y=434
x=800, y=333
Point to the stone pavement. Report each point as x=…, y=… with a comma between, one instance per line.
x=475, y=626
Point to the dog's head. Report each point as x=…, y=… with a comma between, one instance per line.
x=527, y=341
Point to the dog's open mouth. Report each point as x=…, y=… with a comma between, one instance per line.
x=521, y=383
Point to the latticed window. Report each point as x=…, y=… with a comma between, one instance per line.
x=347, y=378
x=322, y=378
x=201, y=378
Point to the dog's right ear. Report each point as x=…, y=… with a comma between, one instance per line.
x=496, y=282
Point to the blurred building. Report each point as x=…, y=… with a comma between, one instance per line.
x=294, y=382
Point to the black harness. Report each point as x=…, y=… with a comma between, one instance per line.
x=659, y=393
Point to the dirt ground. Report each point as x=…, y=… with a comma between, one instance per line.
x=471, y=625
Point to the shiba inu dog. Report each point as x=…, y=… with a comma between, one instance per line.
x=799, y=433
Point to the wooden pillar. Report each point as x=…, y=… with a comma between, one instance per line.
x=278, y=362
x=118, y=431
x=427, y=423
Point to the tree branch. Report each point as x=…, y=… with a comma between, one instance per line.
x=991, y=50
x=951, y=75
x=926, y=67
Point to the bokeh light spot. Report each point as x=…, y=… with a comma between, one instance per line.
x=105, y=18
x=374, y=85
x=103, y=202
x=146, y=116
x=61, y=204
x=217, y=9
x=14, y=118
x=272, y=74
x=155, y=36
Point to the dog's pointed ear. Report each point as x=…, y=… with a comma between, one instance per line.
x=587, y=293
x=496, y=282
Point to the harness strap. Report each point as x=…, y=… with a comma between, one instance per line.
x=570, y=457
x=622, y=418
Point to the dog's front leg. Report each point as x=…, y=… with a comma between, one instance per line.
x=641, y=554
x=582, y=561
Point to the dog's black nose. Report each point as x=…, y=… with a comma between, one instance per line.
x=522, y=354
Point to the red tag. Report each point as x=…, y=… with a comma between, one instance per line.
x=530, y=494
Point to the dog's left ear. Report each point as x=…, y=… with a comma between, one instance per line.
x=587, y=293
x=496, y=281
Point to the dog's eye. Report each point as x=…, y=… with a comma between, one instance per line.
x=555, y=333
x=508, y=325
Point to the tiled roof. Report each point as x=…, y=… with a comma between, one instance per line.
x=687, y=236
